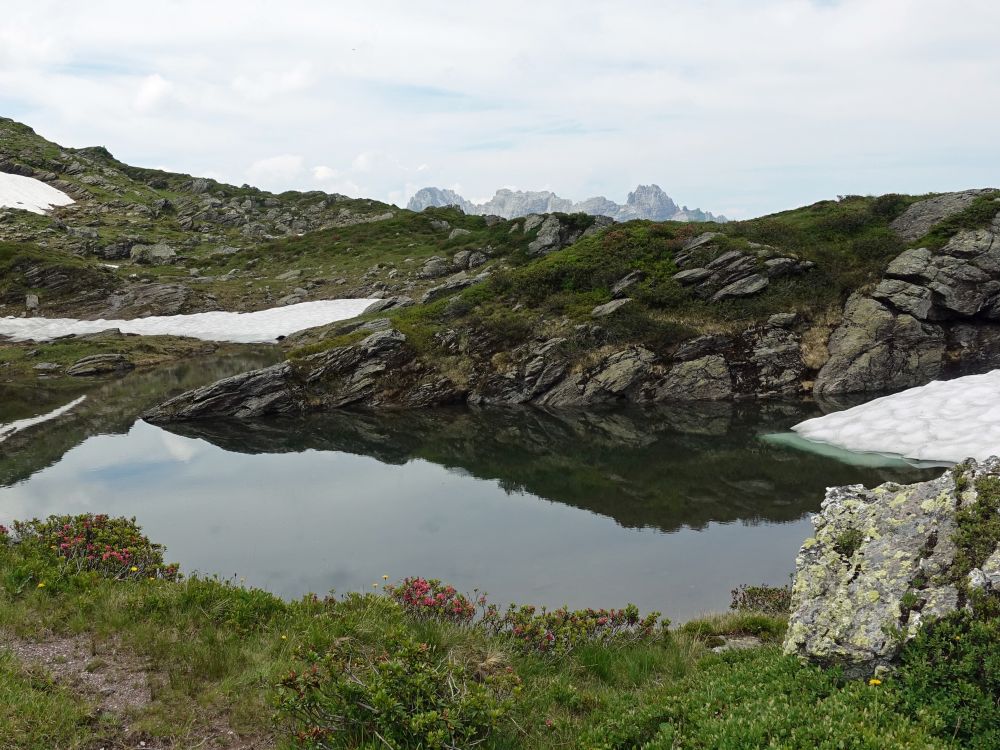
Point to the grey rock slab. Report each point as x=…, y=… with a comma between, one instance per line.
x=98, y=364
x=744, y=287
x=609, y=307
x=876, y=349
x=705, y=238
x=620, y=287
x=920, y=218
x=389, y=303
x=704, y=379
x=153, y=254
x=692, y=276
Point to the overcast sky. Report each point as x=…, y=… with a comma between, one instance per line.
x=736, y=106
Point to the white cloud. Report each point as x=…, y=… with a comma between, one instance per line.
x=276, y=170
x=758, y=105
x=153, y=91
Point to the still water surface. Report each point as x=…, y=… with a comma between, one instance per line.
x=669, y=508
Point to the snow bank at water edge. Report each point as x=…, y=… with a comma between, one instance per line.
x=29, y=194
x=243, y=328
x=947, y=420
x=6, y=430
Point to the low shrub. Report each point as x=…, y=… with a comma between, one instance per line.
x=771, y=600
x=403, y=693
x=952, y=669
x=424, y=597
x=560, y=631
x=112, y=547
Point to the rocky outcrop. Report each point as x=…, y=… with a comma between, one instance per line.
x=380, y=370
x=555, y=232
x=918, y=219
x=881, y=563
x=914, y=326
x=719, y=272
x=645, y=202
x=99, y=364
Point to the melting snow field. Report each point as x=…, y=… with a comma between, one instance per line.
x=29, y=194
x=244, y=328
x=947, y=420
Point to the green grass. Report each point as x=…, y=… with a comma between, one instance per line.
x=216, y=652
x=979, y=214
x=19, y=359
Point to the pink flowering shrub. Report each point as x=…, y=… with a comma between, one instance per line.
x=424, y=597
x=113, y=547
x=558, y=631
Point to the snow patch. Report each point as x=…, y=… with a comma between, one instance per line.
x=6, y=430
x=29, y=194
x=943, y=421
x=243, y=328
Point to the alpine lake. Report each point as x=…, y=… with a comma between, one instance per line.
x=669, y=508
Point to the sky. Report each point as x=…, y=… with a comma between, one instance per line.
x=741, y=107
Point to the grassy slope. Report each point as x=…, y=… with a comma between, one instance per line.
x=214, y=652
x=849, y=240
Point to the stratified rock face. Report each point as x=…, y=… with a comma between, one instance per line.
x=915, y=325
x=645, y=202
x=377, y=371
x=251, y=394
x=877, y=349
x=881, y=563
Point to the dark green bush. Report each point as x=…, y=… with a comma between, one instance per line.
x=952, y=668
x=402, y=693
x=771, y=600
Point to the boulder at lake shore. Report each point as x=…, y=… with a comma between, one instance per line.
x=884, y=562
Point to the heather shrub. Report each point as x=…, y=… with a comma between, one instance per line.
x=402, y=693
x=112, y=547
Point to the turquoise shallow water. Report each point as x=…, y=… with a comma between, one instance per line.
x=667, y=508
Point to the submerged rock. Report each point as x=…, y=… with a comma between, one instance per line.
x=881, y=563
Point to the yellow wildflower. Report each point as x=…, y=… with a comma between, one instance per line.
x=134, y=569
x=41, y=584
x=874, y=681
x=284, y=637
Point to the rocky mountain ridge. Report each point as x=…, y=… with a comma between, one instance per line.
x=645, y=202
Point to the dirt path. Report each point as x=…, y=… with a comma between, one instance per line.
x=116, y=682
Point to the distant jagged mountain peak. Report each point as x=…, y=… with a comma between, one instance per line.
x=645, y=202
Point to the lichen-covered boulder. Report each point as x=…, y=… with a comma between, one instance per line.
x=881, y=563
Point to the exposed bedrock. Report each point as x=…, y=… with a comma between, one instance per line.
x=882, y=563
x=935, y=313
x=382, y=370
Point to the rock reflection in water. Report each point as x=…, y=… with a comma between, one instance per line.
x=665, y=468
